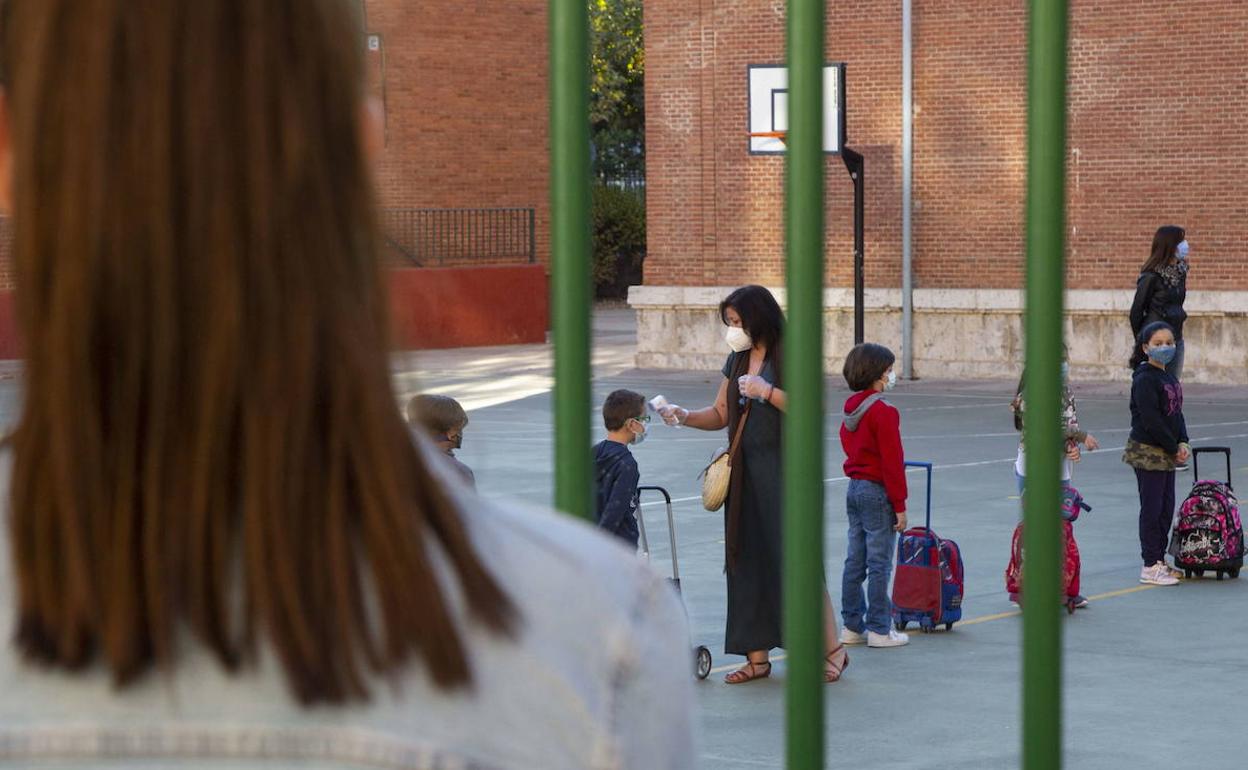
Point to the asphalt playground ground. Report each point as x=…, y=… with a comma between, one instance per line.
x=1153, y=676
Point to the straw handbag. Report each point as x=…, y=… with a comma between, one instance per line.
x=715, y=477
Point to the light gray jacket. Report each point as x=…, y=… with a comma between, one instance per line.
x=599, y=677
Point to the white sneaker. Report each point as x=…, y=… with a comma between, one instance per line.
x=1171, y=571
x=1157, y=575
x=891, y=639
x=852, y=637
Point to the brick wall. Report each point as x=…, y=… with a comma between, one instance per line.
x=1156, y=92
x=464, y=88
x=6, y=265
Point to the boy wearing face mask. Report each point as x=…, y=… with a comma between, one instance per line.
x=443, y=420
x=876, y=499
x=615, y=471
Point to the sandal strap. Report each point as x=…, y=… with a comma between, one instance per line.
x=751, y=670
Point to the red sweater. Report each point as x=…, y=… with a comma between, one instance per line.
x=873, y=452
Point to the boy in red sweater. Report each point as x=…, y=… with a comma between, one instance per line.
x=876, y=500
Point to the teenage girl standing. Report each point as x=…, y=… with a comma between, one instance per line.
x=1158, y=442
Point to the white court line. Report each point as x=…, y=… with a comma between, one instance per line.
x=949, y=466
x=906, y=437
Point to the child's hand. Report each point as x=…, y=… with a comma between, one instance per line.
x=900, y=526
x=1072, y=452
x=1183, y=453
x=1091, y=443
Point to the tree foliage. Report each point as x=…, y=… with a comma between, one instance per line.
x=617, y=75
x=619, y=237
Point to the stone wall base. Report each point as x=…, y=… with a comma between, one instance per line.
x=972, y=333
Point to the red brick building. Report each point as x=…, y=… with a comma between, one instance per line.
x=463, y=85
x=463, y=90
x=1157, y=93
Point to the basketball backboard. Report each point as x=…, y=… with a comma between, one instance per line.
x=769, y=106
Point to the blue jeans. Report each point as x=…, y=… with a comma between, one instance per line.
x=872, y=542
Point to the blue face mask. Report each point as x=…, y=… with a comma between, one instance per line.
x=1181, y=251
x=1162, y=354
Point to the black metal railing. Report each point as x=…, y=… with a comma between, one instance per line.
x=631, y=182
x=438, y=237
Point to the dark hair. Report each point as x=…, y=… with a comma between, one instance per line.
x=438, y=415
x=620, y=407
x=761, y=316
x=208, y=444
x=1165, y=244
x=865, y=364
x=1138, y=356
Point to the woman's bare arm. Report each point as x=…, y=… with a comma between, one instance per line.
x=713, y=417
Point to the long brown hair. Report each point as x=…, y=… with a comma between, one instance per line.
x=209, y=438
x=1165, y=244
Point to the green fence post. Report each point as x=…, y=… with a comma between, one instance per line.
x=803, y=379
x=1046, y=229
x=570, y=276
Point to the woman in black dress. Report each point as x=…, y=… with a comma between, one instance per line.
x=751, y=390
x=1161, y=290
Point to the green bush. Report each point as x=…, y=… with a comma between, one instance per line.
x=619, y=233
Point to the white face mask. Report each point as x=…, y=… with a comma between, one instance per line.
x=640, y=437
x=891, y=382
x=738, y=339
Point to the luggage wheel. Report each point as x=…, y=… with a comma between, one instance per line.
x=1234, y=574
x=948, y=626
x=702, y=662
x=900, y=625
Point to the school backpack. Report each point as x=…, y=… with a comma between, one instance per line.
x=1208, y=534
x=1070, y=565
x=1072, y=504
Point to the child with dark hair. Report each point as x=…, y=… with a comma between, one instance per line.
x=876, y=499
x=1157, y=443
x=1072, y=434
x=443, y=420
x=615, y=471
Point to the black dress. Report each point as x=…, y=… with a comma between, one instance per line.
x=753, y=572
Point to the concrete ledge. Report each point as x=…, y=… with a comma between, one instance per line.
x=972, y=333
x=1097, y=301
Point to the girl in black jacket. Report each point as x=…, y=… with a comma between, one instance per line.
x=1158, y=442
x=1162, y=288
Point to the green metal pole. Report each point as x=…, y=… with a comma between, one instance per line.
x=1046, y=229
x=570, y=277
x=803, y=379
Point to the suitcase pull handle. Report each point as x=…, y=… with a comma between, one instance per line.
x=1222, y=450
x=928, y=466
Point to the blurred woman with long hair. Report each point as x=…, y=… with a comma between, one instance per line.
x=217, y=519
